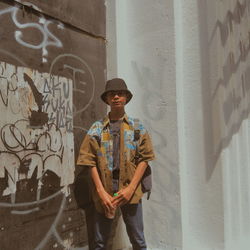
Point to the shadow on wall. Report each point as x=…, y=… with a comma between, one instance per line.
x=154, y=110
x=226, y=96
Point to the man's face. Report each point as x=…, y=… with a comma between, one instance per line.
x=117, y=99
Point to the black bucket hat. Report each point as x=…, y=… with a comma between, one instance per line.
x=116, y=84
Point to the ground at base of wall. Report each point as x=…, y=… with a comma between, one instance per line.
x=124, y=248
x=151, y=248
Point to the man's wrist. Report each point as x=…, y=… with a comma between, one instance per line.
x=132, y=187
x=100, y=190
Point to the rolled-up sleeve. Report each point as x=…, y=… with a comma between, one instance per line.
x=88, y=152
x=146, y=152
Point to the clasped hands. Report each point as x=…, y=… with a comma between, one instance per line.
x=110, y=203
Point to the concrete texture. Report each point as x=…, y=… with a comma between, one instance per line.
x=187, y=63
x=212, y=51
x=88, y=15
x=145, y=54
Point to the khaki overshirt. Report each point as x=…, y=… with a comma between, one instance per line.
x=97, y=151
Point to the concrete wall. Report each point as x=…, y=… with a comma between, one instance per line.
x=201, y=175
x=52, y=71
x=229, y=44
x=213, y=78
x=187, y=62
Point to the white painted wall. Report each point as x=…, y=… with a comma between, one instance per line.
x=201, y=177
x=213, y=110
x=229, y=79
x=187, y=63
x=146, y=60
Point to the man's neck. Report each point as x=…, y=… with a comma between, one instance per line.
x=116, y=114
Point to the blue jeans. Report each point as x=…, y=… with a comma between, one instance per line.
x=133, y=219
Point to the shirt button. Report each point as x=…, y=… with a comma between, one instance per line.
x=126, y=183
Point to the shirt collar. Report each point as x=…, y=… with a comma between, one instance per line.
x=106, y=120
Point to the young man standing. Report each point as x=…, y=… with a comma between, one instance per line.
x=117, y=154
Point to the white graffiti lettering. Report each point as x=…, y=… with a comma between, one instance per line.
x=48, y=39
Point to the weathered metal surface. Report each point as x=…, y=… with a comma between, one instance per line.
x=51, y=77
x=87, y=15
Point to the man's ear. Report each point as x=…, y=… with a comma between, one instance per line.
x=127, y=97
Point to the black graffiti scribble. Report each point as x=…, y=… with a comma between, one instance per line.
x=40, y=173
x=37, y=118
x=7, y=86
x=37, y=95
x=15, y=140
x=25, y=156
x=61, y=105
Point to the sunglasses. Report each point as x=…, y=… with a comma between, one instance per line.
x=114, y=93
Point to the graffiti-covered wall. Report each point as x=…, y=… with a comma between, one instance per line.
x=52, y=70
